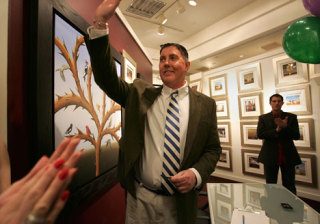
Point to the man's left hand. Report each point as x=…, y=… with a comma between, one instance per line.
x=184, y=180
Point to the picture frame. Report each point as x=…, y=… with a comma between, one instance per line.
x=289, y=72
x=249, y=134
x=249, y=78
x=307, y=135
x=225, y=160
x=222, y=107
x=57, y=31
x=250, y=164
x=218, y=85
x=252, y=195
x=250, y=105
x=129, y=67
x=225, y=190
x=306, y=173
x=196, y=85
x=314, y=70
x=224, y=133
x=297, y=99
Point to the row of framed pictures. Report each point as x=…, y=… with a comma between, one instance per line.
x=248, y=130
x=306, y=173
x=297, y=99
x=286, y=70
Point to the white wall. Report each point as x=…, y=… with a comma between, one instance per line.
x=3, y=67
x=269, y=88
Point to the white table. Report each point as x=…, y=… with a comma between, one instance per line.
x=257, y=201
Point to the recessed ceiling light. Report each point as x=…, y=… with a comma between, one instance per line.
x=160, y=30
x=192, y=2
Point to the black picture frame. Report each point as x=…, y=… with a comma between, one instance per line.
x=41, y=99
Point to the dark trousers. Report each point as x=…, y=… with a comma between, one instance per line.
x=287, y=176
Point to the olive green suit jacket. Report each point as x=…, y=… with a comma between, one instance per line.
x=202, y=148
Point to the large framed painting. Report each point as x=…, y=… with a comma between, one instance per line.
x=250, y=105
x=249, y=134
x=307, y=135
x=296, y=99
x=249, y=78
x=68, y=103
x=289, y=72
x=250, y=164
x=218, y=85
x=306, y=173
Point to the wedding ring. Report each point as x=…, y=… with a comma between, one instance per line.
x=35, y=219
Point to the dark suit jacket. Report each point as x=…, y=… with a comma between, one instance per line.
x=202, y=150
x=266, y=130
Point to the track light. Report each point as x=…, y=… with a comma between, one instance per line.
x=180, y=8
x=163, y=19
x=160, y=30
x=193, y=2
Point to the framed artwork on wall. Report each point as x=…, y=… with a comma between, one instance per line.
x=224, y=132
x=218, y=85
x=66, y=101
x=249, y=134
x=307, y=136
x=129, y=67
x=196, y=85
x=314, y=70
x=250, y=164
x=289, y=72
x=249, y=78
x=222, y=107
x=250, y=105
x=306, y=173
x=225, y=160
x=297, y=99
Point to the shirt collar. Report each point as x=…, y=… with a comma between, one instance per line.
x=182, y=91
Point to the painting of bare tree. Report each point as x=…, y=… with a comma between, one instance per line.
x=81, y=108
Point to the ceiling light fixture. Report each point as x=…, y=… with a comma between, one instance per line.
x=193, y=2
x=180, y=8
x=163, y=19
x=160, y=30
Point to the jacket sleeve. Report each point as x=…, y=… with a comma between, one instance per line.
x=266, y=130
x=292, y=129
x=104, y=71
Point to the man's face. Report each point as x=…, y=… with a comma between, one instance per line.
x=276, y=103
x=173, y=67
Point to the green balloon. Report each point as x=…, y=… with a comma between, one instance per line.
x=301, y=41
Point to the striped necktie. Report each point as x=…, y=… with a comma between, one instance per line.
x=171, y=152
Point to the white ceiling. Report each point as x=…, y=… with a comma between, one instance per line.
x=193, y=21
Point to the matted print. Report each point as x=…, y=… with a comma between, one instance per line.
x=196, y=85
x=306, y=173
x=307, y=136
x=218, y=85
x=253, y=194
x=314, y=70
x=224, y=132
x=289, y=72
x=225, y=160
x=249, y=78
x=250, y=164
x=249, y=134
x=296, y=99
x=129, y=67
x=250, y=105
x=222, y=107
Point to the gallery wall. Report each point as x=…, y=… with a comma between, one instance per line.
x=254, y=80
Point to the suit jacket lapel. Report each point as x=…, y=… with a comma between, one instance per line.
x=194, y=111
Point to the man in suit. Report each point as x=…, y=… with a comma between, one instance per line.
x=142, y=147
x=278, y=129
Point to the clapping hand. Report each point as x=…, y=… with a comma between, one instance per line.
x=41, y=194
